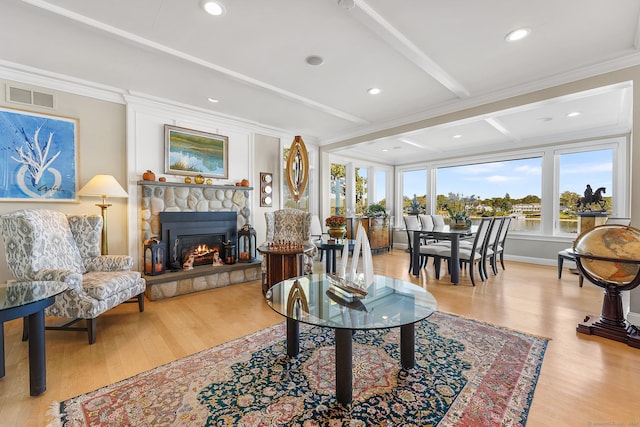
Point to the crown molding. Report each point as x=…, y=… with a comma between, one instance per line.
x=50, y=80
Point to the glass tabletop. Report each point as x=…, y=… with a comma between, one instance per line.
x=15, y=294
x=389, y=303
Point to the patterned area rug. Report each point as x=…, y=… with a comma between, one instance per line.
x=467, y=373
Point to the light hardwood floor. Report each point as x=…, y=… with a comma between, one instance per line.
x=585, y=381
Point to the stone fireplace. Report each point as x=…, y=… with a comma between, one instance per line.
x=165, y=204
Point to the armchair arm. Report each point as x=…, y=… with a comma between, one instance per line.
x=110, y=263
x=72, y=279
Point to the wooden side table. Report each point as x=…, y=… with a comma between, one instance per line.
x=283, y=263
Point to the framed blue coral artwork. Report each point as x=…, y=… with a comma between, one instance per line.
x=38, y=156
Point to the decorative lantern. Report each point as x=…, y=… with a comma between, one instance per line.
x=247, y=244
x=228, y=252
x=154, y=253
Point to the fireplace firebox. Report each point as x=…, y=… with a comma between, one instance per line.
x=200, y=234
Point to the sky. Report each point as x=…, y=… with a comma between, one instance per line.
x=519, y=178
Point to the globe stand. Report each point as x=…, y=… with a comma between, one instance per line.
x=612, y=323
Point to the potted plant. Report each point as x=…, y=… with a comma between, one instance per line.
x=376, y=210
x=459, y=218
x=337, y=226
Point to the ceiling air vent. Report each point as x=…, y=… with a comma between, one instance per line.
x=30, y=97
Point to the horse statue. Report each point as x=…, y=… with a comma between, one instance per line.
x=584, y=202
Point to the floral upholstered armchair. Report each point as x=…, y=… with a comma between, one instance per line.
x=44, y=244
x=290, y=225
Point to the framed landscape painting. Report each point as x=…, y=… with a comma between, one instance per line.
x=192, y=152
x=38, y=157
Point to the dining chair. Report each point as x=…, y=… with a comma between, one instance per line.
x=426, y=222
x=567, y=254
x=502, y=240
x=438, y=220
x=411, y=224
x=489, y=249
x=472, y=255
x=426, y=250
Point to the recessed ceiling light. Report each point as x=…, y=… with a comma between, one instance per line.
x=518, y=34
x=374, y=91
x=384, y=150
x=214, y=8
x=346, y=4
x=457, y=136
x=573, y=114
x=213, y=100
x=314, y=60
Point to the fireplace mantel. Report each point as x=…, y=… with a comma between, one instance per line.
x=192, y=185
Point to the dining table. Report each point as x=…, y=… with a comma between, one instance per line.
x=444, y=232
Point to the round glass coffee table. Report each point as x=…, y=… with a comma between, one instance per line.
x=389, y=303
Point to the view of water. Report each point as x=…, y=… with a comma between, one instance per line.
x=533, y=225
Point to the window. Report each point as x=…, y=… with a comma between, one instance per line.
x=414, y=191
x=538, y=187
x=381, y=187
x=362, y=199
x=576, y=170
x=505, y=188
x=338, y=189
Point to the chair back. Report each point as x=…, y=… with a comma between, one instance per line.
x=426, y=221
x=620, y=221
x=39, y=239
x=481, y=235
x=491, y=242
x=291, y=225
x=411, y=223
x=502, y=236
x=438, y=220
x=87, y=233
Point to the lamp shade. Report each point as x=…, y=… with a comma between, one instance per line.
x=316, y=228
x=103, y=186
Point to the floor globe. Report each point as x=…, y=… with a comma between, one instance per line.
x=609, y=257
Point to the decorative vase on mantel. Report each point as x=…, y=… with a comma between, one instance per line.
x=337, y=232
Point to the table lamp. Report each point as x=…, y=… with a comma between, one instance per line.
x=316, y=228
x=103, y=186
